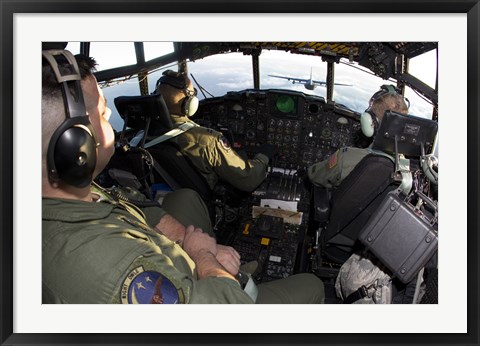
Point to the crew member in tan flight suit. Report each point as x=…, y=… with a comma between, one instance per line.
x=360, y=267
x=99, y=249
x=209, y=150
x=332, y=171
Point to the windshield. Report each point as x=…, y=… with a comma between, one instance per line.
x=219, y=74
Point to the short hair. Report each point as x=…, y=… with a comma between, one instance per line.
x=392, y=102
x=53, y=108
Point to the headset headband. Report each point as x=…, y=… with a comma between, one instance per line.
x=69, y=81
x=71, y=155
x=175, y=79
x=387, y=89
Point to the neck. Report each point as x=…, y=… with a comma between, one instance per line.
x=179, y=119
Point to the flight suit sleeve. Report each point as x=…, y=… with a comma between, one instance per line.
x=245, y=175
x=157, y=278
x=326, y=173
x=332, y=171
x=218, y=290
x=153, y=215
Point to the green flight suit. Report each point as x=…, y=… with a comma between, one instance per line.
x=214, y=158
x=107, y=252
x=331, y=172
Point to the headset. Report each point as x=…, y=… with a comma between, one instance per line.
x=72, y=150
x=369, y=120
x=179, y=80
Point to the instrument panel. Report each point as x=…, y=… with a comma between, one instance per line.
x=304, y=127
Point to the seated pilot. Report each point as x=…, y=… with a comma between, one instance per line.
x=209, y=150
x=332, y=171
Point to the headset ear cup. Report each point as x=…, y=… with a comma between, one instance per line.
x=367, y=124
x=75, y=157
x=190, y=105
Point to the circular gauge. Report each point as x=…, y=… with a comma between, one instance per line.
x=237, y=109
x=313, y=108
x=285, y=104
x=326, y=133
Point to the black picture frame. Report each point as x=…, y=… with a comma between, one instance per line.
x=10, y=7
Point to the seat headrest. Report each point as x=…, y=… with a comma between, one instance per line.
x=412, y=132
x=135, y=110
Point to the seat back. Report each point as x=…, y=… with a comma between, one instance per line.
x=181, y=168
x=363, y=190
x=352, y=204
x=150, y=114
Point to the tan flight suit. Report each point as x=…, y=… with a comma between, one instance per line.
x=107, y=252
x=331, y=172
x=214, y=158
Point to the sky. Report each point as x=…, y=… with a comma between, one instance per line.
x=219, y=74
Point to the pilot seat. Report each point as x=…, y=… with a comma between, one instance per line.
x=162, y=166
x=394, y=163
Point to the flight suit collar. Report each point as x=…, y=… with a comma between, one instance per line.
x=180, y=119
x=69, y=210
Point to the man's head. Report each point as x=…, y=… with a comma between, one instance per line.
x=388, y=98
x=90, y=135
x=178, y=92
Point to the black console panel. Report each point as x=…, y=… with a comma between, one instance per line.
x=305, y=128
x=274, y=244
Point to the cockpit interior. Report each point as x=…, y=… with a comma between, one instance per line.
x=286, y=224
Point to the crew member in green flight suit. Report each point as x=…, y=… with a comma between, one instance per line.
x=332, y=171
x=99, y=249
x=209, y=150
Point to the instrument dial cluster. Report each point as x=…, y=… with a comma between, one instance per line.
x=305, y=128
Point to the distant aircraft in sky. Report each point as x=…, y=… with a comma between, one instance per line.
x=309, y=84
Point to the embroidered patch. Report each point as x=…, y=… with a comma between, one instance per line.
x=148, y=287
x=225, y=143
x=332, y=161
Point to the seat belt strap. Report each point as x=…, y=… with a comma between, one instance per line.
x=153, y=163
x=361, y=293
x=171, y=134
x=167, y=177
x=380, y=153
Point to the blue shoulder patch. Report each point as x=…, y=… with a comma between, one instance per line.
x=148, y=287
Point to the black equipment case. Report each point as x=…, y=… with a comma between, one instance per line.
x=401, y=236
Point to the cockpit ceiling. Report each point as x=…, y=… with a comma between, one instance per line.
x=353, y=51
